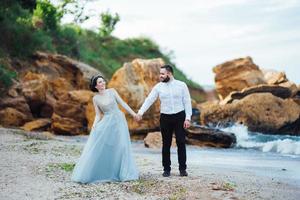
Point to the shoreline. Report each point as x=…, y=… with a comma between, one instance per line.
x=41, y=169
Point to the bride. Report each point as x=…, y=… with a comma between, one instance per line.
x=107, y=155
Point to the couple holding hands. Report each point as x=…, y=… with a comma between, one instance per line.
x=107, y=155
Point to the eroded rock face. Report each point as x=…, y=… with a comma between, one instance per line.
x=134, y=82
x=60, y=87
x=291, y=86
x=52, y=86
x=276, y=90
x=297, y=96
x=264, y=100
x=10, y=117
x=56, y=65
x=273, y=77
x=70, y=113
x=90, y=114
x=236, y=75
x=66, y=126
x=262, y=112
x=34, y=89
x=37, y=125
x=19, y=103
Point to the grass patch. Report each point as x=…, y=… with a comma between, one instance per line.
x=141, y=186
x=179, y=194
x=68, y=167
x=227, y=186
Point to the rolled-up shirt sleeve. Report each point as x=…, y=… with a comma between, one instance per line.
x=187, y=102
x=149, y=100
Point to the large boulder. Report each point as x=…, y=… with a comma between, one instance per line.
x=19, y=103
x=34, y=89
x=69, y=115
x=14, y=111
x=276, y=90
x=134, y=82
x=236, y=75
x=273, y=77
x=50, y=86
x=37, y=125
x=297, y=96
x=10, y=117
x=47, y=108
x=209, y=137
x=262, y=112
x=90, y=114
x=154, y=140
x=196, y=135
x=291, y=86
x=60, y=86
x=56, y=65
x=66, y=126
x=81, y=96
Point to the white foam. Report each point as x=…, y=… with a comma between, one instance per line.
x=276, y=143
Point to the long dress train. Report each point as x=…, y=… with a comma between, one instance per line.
x=107, y=155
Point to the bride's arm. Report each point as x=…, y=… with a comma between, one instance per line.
x=123, y=103
x=97, y=112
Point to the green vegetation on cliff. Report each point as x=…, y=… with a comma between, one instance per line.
x=30, y=25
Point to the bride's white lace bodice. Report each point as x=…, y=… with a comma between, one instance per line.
x=107, y=103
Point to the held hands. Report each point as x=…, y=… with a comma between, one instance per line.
x=187, y=124
x=138, y=117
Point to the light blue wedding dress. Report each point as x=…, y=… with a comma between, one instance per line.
x=107, y=155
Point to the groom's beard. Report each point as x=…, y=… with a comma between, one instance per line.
x=165, y=80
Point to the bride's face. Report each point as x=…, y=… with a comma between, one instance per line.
x=100, y=84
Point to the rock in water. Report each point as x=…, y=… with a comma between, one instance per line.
x=260, y=112
x=205, y=136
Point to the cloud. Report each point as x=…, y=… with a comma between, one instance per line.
x=278, y=5
x=206, y=33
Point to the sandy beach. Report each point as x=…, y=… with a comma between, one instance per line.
x=33, y=168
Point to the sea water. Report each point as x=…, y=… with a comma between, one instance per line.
x=282, y=144
x=275, y=156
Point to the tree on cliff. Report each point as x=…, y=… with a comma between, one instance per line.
x=30, y=25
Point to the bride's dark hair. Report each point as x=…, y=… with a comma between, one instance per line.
x=93, y=82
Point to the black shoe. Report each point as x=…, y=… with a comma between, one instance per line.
x=183, y=173
x=166, y=174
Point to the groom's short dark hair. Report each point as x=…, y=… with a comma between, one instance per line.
x=168, y=67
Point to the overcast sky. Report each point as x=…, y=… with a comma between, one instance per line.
x=204, y=33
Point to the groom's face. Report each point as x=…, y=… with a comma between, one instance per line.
x=164, y=75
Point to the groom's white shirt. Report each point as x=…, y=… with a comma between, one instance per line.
x=174, y=97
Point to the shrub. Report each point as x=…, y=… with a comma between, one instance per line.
x=6, y=77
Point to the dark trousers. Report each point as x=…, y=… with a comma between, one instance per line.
x=168, y=125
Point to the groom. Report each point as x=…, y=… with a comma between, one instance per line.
x=176, y=111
